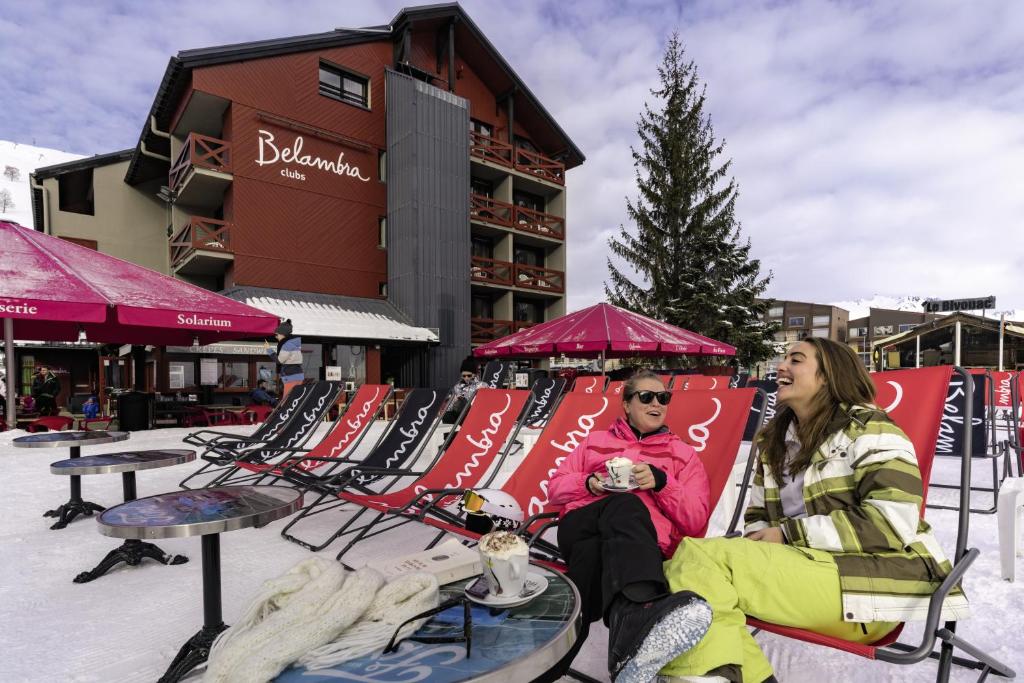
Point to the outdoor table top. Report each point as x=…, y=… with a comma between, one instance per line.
x=115, y=463
x=65, y=439
x=517, y=644
x=194, y=513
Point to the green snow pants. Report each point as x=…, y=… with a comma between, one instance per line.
x=776, y=583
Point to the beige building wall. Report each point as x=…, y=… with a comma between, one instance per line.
x=127, y=223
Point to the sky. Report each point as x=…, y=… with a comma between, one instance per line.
x=878, y=146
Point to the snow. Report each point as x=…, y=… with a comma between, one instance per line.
x=127, y=625
x=25, y=158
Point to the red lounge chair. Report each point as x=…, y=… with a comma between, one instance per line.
x=493, y=420
x=255, y=414
x=915, y=399
x=702, y=382
x=55, y=423
x=101, y=421
x=615, y=389
x=589, y=384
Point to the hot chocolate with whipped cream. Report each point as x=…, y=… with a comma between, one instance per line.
x=620, y=471
x=505, y=558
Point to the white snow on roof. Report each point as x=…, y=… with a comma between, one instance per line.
x=315, y=319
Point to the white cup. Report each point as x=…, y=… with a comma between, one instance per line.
x=620, y=472
x=505, y=571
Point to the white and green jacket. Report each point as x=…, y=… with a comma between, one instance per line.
x=863, y=495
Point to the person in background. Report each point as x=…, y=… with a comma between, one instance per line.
x=45, y=388
x=260, y=396
x=463, y=391
x=28, y=404
x=615, y=541
x=3, y=394
x=288, y=355
x=91, y=408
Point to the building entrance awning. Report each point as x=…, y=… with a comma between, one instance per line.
x=335, y=317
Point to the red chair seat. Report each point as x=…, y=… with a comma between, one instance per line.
x=53, y=423
x=864, y=650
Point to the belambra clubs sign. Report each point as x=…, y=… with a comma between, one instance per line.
x=273, y=150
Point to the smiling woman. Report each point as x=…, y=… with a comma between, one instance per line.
x=615, y=533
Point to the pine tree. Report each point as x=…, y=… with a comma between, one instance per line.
x=694, y=270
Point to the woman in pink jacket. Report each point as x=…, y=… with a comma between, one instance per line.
x=615, y=542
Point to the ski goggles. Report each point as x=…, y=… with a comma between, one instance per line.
x=664, y=397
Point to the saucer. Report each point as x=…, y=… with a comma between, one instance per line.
x=534, y=585
x=606, y=484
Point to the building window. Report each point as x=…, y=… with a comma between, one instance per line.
x=481, y=128
x=482, y=307
x=232, y=374
x=820, y=321
x=906, y=327
x=793, y=336
x=529, y=256
x=796, y=321
x=858, y=331
x=481, y=187
x=382, y=289
x=75, y=192
x=344, y=86
x=482, y=247
x=181, y=375
x=775, y=312
x=529, y=200
x=382, y=232
x=529, y=312
x=382, y=165
x=819, y=332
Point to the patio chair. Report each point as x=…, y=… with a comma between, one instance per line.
x=494, y=418
x=495, y=374
x=589, y=384
x=294, y=426
x=256, y=414
x=100, y=422
x=915, y=400
x=546, y=392
x=615, y=388
x=703, y=382
x=53, y=423
x=344, y=437
x=285, y=410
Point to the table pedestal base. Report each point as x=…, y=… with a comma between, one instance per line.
x=131, y=552
x=192, y=654
x=71, y=509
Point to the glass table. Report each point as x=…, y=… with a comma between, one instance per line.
x=132, y=551
x=75, y=441
x=509, y=645
x=207, y=513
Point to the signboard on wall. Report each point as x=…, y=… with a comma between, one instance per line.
x=208, y=372
x=332, y=373
x=951, y=305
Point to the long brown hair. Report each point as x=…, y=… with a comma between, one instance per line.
x=846, y=382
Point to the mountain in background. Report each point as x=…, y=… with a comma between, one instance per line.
x=24, y=159
x=859, y=308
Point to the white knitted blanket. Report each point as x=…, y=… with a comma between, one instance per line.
x=313, y=606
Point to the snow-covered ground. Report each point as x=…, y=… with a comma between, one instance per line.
x=127, y=625
x=26, y=159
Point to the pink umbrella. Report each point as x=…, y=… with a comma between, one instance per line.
x=603, y=331
x=53, y=290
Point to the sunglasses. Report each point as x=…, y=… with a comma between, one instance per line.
x=467, y=375
x=664, y=397
x=467, y=627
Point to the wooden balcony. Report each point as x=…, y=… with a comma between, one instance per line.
x=483, y=330
x=539, y=278
x=202, y=247
x=202, y=171
x=491, y=272
x=485, y=209
x=502, y=153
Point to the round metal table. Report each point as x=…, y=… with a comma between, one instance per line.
x=206, y=513
x=514, y=644
x=132, y=551
x=75, y=441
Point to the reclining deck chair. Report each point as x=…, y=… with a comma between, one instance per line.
x=344, y=437
x=296, y=424
x=915, y=400
x=495, y=374
x=615, y=388
x=589, y=384
x=547, y=392
x=1012, y=417
x=282, y=412
x=493, y=419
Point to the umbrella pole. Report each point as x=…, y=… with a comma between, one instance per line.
x=12, y=421
x=601, y=357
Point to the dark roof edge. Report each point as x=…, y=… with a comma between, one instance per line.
x=44, y=172
x=296, y=295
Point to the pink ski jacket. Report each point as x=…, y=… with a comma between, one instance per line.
x=679, y=509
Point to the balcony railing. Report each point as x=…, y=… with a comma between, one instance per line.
x=488, y=210
x=539, y=278
x=199, y=151
x=486, y=329
x=490, y=271
x=200, y=234
x=523, y=160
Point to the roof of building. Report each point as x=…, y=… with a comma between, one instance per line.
x=1012, y=328
x=176, y=79
x=334, y=316
x=44, y=172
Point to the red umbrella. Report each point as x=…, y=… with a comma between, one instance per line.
x=53, y=290
x=603, y=331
